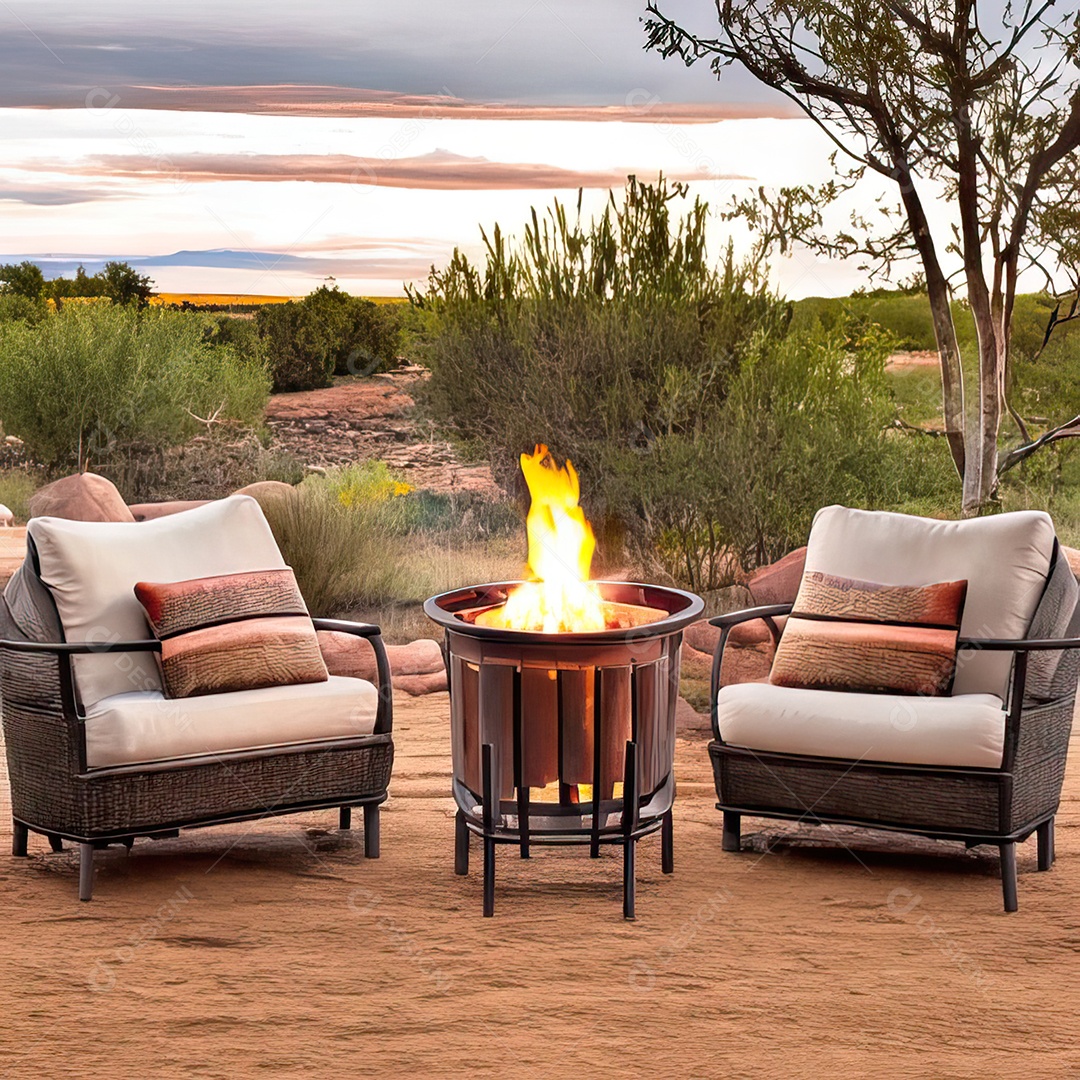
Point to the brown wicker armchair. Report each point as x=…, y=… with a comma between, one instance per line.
x=1016, y=651
x=67, y=788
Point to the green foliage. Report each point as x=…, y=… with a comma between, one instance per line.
x=23, y=279
x=16, y=306
x=343, y=555
x=116, y=281
x=16, y=487
x=92, y=382
x=306, y=342
x=590, y=336
x=804, y=425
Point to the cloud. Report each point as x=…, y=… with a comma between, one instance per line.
x=438, y=170
x=51, y=196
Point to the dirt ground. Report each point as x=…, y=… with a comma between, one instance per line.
x=274, y=949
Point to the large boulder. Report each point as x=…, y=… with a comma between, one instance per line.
x=778, y=583
x=268, y=491
x=417, y=668
x=1074, y=560
x=152, y=511
x=82, y=497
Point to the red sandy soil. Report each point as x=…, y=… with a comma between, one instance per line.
x=274, y=949
x=359, y=419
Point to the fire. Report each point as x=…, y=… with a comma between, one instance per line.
x=560, y=597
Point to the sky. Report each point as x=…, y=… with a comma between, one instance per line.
x=236, y=147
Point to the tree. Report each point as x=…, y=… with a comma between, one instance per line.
x=22, y=279
x=976, y=103
x=123, y=284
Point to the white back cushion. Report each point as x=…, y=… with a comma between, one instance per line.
x=1005, y=560
x=91, y=568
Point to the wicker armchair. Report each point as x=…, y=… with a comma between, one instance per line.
x=64, y=788
x=1020, y=628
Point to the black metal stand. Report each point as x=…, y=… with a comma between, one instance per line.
x=629, y=831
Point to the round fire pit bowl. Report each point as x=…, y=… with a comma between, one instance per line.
x=564, y=738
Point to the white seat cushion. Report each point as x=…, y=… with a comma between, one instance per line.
x=1005, y=560
x=91, y=568
x=965, y=730
x=145, y=726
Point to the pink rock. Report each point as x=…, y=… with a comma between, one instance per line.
x=346, y=654
x=778, y=583
x=264, y=491
x=696, y=664
x=421, y=657
x=82, y=497
x=416, y=685
x=152, y=511
x=689, y=721
x=1074, y=560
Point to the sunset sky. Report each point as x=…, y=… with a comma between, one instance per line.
x=254, y=148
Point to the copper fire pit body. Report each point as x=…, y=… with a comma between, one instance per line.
x=543, y=723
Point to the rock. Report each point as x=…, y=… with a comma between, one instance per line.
x=152, y=511
x=778, y=583
x=432, y=683
x=689, y=721
x=696, y=664
x=82, y=497
x=421, y=657
x=1074, y=560
x=416, y=668
x=266, y=491
x=7, y=518
x=346, y=654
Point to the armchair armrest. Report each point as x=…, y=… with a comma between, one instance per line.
x=1018, y=644
x=733, y=618
x=73, y=648
x=384, y=718
x=726, y=623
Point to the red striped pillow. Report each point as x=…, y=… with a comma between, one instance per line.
x=845, y=634
x=233, y=632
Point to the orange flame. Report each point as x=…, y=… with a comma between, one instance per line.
x=560, y=597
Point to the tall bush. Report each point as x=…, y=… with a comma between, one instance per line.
x=591, y=335
x=96, y=381
x=329, y=332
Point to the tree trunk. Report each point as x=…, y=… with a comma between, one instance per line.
x=980, y=476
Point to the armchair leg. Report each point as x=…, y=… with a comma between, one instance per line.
x=1045, y=837
x=20, y=836
x=86, y=871
x=667, y=844
x=55, y=842
x=345, y=818
x=461, y=845
x=732, y=829
x=1008, y=875
x=371, y=830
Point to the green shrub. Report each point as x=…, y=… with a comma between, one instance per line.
x=94, y=382
x=589, y=337
x=343, y=555
x=306, y=342
x=16, y=487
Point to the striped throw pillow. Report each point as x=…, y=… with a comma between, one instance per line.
x=845, y=634
x=233, y=632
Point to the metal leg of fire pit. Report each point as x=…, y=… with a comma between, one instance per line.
x=519, y=770
x=667, y=844
x=629, y=824
x=489, y=830
x=461, y=844
x=598, y=753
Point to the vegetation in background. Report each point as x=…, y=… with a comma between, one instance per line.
x=972, y=105
x=93, y=383
x=589, y=336
x=329, y=332
x=116, y=281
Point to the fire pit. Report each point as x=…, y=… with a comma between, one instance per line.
x=563, y=735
